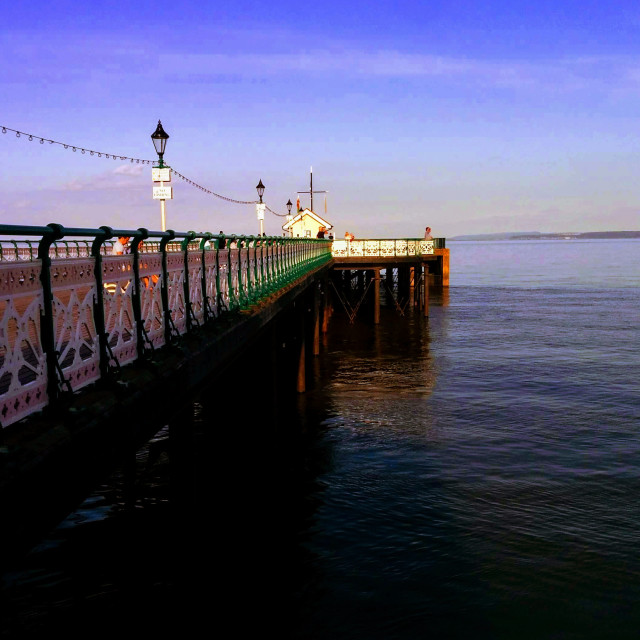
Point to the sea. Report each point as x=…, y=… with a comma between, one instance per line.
x=474, y=474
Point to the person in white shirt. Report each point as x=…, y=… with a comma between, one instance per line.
x=121, y=246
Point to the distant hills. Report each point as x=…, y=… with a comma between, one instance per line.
x=536, y=235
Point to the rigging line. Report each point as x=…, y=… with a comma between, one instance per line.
x=275, y=213
x=213, y=193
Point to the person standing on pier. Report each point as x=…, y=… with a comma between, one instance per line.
x=121, y=246
x=427, y=234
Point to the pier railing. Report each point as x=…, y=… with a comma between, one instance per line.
x=71, y=313
x=385, y=248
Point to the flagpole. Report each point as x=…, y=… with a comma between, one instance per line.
x=311, y=191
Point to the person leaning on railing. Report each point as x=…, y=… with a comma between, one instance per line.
x=121, y=246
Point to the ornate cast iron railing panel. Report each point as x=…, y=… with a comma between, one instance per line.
x=117, y=299
x=177, y=302
x=152, y=310
x=253, y=282
x=196, y=299
x=23, y=372
x=234, y=264
x=223, y=264
x=427, y=246
x=76, y=340
x=212, y=282
x=244, y=274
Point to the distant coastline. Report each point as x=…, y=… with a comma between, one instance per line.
x=536, y=235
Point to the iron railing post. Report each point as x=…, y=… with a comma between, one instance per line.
x=232, y=297
x=242, y=297
x=263, y=288
x=164, y=291
x=255, y=240
x=203, y=276
x=187, y=299
x=98, y=301
x=218, y=290
x=136, y=298
x=47, y=330
x=279, y=278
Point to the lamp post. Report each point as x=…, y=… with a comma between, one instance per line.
x=260, y=207
x=289, y=216
x=159, y=138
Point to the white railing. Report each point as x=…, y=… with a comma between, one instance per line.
x=383, y=248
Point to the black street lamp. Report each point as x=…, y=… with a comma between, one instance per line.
x=289, y=216
x=160, y=137
x=260, y=207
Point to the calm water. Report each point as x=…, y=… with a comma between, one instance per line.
x=473, y=476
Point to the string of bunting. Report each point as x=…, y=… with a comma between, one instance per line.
x=217, y=195
x=74, y=148
x=31, y=137
x=282, y=215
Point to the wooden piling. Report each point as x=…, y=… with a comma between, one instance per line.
x=301, y=384
x=412, y=288
x=376, y=301
x=426, y=290
x=443, y=256
x=316, y=323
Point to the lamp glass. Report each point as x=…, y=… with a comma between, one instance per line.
x=160, y=137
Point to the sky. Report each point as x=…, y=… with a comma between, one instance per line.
x=469, y=117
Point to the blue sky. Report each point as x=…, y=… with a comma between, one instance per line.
x=469, y=117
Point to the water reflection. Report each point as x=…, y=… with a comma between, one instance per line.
x=217, y=516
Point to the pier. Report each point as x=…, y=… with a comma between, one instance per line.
x=99, y=351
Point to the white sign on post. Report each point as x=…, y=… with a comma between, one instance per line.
x=260, y=210
x=163, y=193
x=161, y=175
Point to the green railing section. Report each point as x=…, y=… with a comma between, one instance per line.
x=71, y=312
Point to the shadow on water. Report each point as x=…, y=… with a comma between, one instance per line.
x=201, y=530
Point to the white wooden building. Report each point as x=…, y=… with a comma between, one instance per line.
x=306, y=224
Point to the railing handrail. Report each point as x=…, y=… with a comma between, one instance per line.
x=388, y=239
x=55, y=234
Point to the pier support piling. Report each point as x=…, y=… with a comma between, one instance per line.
x=376, y=300
x=425, y=289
